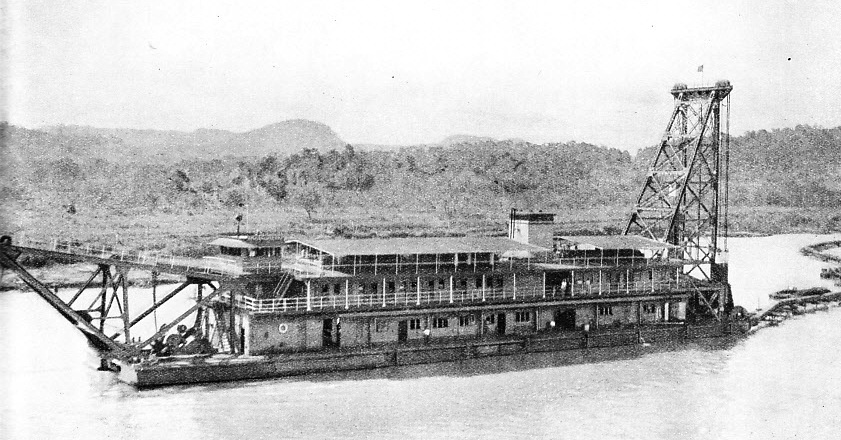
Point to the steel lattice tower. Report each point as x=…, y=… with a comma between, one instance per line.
x=686, y=186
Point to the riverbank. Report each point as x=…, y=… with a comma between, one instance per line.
x=74, y=275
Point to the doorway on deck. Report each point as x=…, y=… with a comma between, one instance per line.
x=402, y=331
x=565, y=319
x=500, y=323
x=327, y=333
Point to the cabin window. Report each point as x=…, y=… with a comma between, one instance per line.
x=466, y=320
x=391, y=287
x=414, y=285
x=229, y=251
x=374, y=288
x=415, y=324
x=440, y=322
x=478, y=282
x=606, y=310
x=490, y=319
x=337, y=288
x=325, y=289
x=381, y=325
x=441, y=284
x=463, y=284
x=431, y=284
x=522, y=316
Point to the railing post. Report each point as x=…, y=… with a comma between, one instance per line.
x=544, y=284
x=515, y=286
x=309, y=296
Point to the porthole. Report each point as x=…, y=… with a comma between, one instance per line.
x=283, y=328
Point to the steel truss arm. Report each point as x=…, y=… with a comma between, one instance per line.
x=94, y=334
x=167, y=327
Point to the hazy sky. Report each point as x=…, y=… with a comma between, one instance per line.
x=412, y=72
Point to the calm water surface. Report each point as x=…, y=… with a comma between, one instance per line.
x=783, y=382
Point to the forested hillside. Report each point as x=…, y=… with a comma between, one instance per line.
x=74, y=182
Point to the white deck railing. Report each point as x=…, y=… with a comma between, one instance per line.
x=426, y=298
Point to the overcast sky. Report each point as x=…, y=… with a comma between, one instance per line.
x=398, y=72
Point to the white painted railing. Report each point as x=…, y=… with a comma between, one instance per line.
x=425, y=298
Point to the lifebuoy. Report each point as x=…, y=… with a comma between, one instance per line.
x=283, y=328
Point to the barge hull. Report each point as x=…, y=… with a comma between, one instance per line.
x=577, y=347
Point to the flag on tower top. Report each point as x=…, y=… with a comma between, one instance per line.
x=701, y=68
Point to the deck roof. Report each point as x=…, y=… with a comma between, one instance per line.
x=617, y=242
x=425, y=245
x=247, y=242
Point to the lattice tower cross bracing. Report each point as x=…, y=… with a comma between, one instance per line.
x=687, y=184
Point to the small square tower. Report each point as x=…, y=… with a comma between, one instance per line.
x=535, y=228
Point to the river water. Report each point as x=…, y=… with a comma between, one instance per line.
x=783, y=382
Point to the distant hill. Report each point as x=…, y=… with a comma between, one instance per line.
x=281, y=138
x=465, y=139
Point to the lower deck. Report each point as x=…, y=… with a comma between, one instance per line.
x=572, y=346
x=282, y=333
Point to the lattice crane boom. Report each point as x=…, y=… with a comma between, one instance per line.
x=687, y=184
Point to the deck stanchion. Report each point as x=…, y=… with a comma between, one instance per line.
x=544, y=284
x=515, y=286
x=309, y=296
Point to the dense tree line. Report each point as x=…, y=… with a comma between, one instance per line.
x=799, y=167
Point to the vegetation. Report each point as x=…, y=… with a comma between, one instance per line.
x=61, y=183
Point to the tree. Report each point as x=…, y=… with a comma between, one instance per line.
x=307, y=197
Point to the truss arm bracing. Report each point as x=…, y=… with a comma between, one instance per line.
x=155, y=306
x=93, y=334
x=84, y=286
x=165, y=328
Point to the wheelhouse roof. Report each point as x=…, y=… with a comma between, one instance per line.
x=614, y=242
x=425, y=245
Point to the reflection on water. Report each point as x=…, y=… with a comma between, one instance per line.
x=779, y=383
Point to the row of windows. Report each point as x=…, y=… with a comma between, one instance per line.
x=412, y=285
x=614, y=277
x=383, y=325
x=649, y=308
x=606, y=310
x=490, y=282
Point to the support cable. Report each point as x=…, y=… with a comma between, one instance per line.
x=727, y=175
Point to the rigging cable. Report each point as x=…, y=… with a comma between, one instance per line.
x=727, y=175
